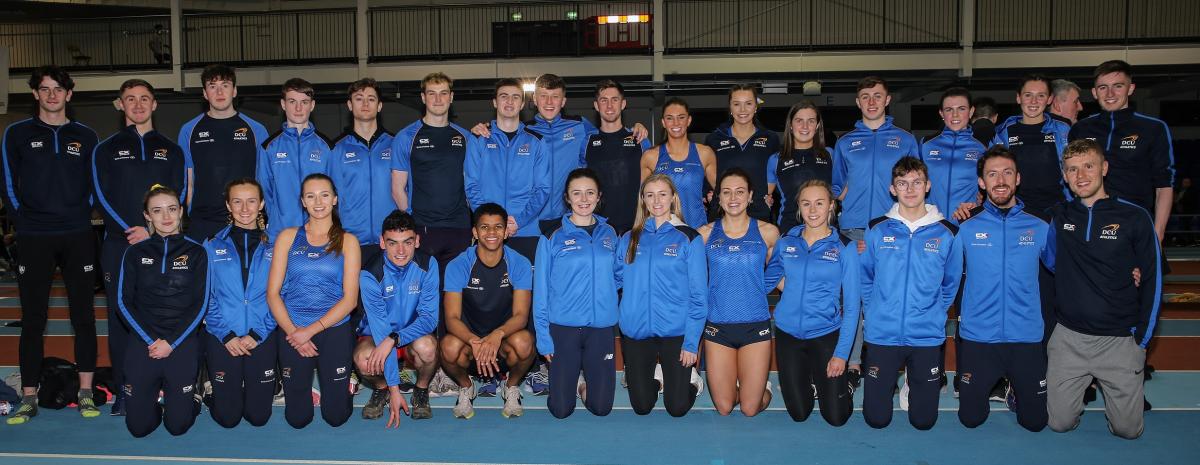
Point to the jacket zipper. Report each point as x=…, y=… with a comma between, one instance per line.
x=904, y=303
x=1004, y=273
x=164, y=256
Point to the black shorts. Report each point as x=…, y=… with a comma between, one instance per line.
x=738, y=335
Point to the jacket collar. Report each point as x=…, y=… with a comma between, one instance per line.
x=887, y=124
x=995, y=210
x=932, y=215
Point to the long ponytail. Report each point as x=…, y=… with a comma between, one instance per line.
x=336, y=232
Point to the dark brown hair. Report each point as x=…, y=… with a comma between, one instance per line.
x=336, y=232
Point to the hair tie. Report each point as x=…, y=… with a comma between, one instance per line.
x=157, y=186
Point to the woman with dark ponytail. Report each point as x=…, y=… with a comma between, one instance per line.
x=241, y=346
x=311, y=290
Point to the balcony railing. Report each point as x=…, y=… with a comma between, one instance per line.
x=1001, y=23
x=270, y=38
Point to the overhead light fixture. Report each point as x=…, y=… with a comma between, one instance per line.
x=516, y=16
x=812, y=88
x=572, y=15
x=622, y=19
x=774, y=88
x=528, y=87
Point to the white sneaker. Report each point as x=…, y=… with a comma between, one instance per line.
x=658, y=376
x=581, y=388
x=697, y=381
x=464, y=408
x=512, y=401
x=441, y=385
x=904, y=394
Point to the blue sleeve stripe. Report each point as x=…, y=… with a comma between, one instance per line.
x=8, y=176
x=100, y=192
x=1157, y=279
x=121, y=302
x=1170, y=143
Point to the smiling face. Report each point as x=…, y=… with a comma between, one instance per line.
x=163, y=213
x=742, y=106
x=609, y=104
x=1033, y=98
x=956, y=112
x=657, y=198
x=1112, y=91
x=244, y=204
x=735, y=195
x=873, y=102
x=399, y=246
x=490, y=232
x=437, y=98
x=805, y=126
x=1000, y=180
x=815, y=206
x=508, y=102
x=583, y=195
x=138, y=104
x=318, y=198
x=549, y=102
x=365, y=104
x=675, y=121
x=51, y=96
x=1084, y=174
x=910, y=189
x=296, y=107
x=219, y=94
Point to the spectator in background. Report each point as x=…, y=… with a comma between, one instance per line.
x=983, y=124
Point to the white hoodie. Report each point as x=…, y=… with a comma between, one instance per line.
x=932, y=215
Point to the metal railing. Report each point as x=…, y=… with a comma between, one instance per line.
x=752, y=25
x=494, y=30
x=1066, y=22
x=99, y=43
x=300, y=37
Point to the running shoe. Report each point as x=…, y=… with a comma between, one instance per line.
x=658, y=376
x=25, y=412
x=697, y=381
x=376, y=405
x=464, y=408
x=904, y=394
x=408, y=380
x=441, y=385
x=854, y=380
x=420, y=404
x=87, y=407
x=512, y=401
x=489, y=387
x=538, y=382
x=1010, y=398
x=118, y=406
x=581, y=388
x=999, y=391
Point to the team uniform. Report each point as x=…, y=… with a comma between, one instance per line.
x=239, y=262
x=1000, y=324
x=360, y=170
x=862, y=167
x=47, y=174
x=737, y=296
x=217, y=151
x=1038, y=148
x=162, y=293
x=1105, y=322
x=802, y=166
x=512, y=170
x=435, y=158
x=400, y=302
x=566, y=141
x=911, y=272
x=124, y=167
x=952, y=158
x=284, y=160
x=575, y=312
x=751, y=156
x=616, y=159
x=813, y=324
x=1139, y=152
x=487, y=291
x=662, y=311
x=688, y=176
x=312, y=286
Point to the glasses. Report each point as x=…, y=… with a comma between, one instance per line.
x=902, y=185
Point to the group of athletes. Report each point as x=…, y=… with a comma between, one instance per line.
x=513, y=251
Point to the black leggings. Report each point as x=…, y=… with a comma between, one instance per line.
x=243, y=386
x=38, y=255
x=802, y=364
x=333, y=364
x=111, y=251
x=640, y=356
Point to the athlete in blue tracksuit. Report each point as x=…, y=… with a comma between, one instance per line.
x=514, y=172
x=663, y=270
x=862, y=170
x=566, y=139
x=814, y=326
x=400, y=299
x=162, y=294
x=911, y=270
x=575, y=307
x=284, y=160
x=1001, y=316
x=361, y=170
x=241, y=347
x=952, y=157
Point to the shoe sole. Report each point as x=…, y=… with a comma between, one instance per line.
x=424, y=414
x=508, y=414
x=89, y=414
x=467, y=416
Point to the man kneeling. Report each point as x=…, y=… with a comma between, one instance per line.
x=399, y=297
x=487, y=297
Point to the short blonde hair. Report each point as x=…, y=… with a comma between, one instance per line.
x=437, y=78
x=1082, y=147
